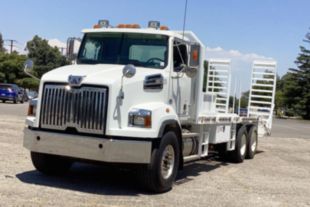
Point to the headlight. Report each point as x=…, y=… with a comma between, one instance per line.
x=32, y=108
x=140, y=118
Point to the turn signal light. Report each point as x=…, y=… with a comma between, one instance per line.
x=32, y=107
x=195, y=55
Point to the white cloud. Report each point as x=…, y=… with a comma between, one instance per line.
x=59, y=44
x=219, y=52
x=241, y=64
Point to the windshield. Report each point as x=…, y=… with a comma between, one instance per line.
x=5, y=87
x=142, y=50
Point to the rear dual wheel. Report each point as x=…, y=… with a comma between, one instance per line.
x=245, y=145
x=252, y=142
x=240, y=151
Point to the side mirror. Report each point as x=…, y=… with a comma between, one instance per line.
x=28, y=64
x=190, y=71
x=129, y=71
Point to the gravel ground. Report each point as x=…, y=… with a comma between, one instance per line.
x=278, y=176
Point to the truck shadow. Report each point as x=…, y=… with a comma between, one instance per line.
x=104, y=180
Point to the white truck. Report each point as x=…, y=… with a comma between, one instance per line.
x=135, y=96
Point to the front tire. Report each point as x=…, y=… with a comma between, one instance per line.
x=161, y=173
x=50, y=164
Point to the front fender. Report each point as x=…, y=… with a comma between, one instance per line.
x=161, y=113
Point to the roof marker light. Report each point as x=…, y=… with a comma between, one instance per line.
x=133, y=26
x=164, y=28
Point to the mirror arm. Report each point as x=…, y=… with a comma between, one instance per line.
x=29, y=74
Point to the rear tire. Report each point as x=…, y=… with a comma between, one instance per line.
x=161, y=173
x=50, y=164
x=252, y=141
x=239, y=153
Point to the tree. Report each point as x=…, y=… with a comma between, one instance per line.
x=44, y=56
x=297, y=85
x=2, y=49
x=29, y=83
x=244, y=99
x=11, y=67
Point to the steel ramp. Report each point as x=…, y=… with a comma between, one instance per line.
x=262, y=94
x=218, y=82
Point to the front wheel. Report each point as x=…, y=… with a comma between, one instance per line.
x=161, y=173
x=50, y=164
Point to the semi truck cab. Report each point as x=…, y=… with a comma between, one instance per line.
x=134, y=96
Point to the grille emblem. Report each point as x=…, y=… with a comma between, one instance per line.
x=75, y=80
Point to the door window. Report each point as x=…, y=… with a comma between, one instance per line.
x=179, y=55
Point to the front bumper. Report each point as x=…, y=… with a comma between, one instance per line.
x=86, y=147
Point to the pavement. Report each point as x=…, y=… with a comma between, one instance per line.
x=279, y=175
x=287, y=128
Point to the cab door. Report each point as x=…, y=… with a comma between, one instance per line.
x=180, y=96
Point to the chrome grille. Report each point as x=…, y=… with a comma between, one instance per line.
x=81, y=108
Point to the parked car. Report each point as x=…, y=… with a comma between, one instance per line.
x=24, y=94
x=243, y=112
x=32, y=94
x=11, y=92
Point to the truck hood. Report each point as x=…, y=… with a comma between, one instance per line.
x=101, y=74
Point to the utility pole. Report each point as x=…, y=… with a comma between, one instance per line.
x=62, y=49
x=11, y=44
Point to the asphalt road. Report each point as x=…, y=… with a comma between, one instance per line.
x=283, y=128
x=287, y=128
x=278, y=176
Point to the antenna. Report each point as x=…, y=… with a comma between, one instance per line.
x=184, y=20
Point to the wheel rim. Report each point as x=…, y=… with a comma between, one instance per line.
x=167, y=162
x=254, y=143
x=243, y=145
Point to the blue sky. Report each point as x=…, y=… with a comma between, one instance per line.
x=266, y=28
